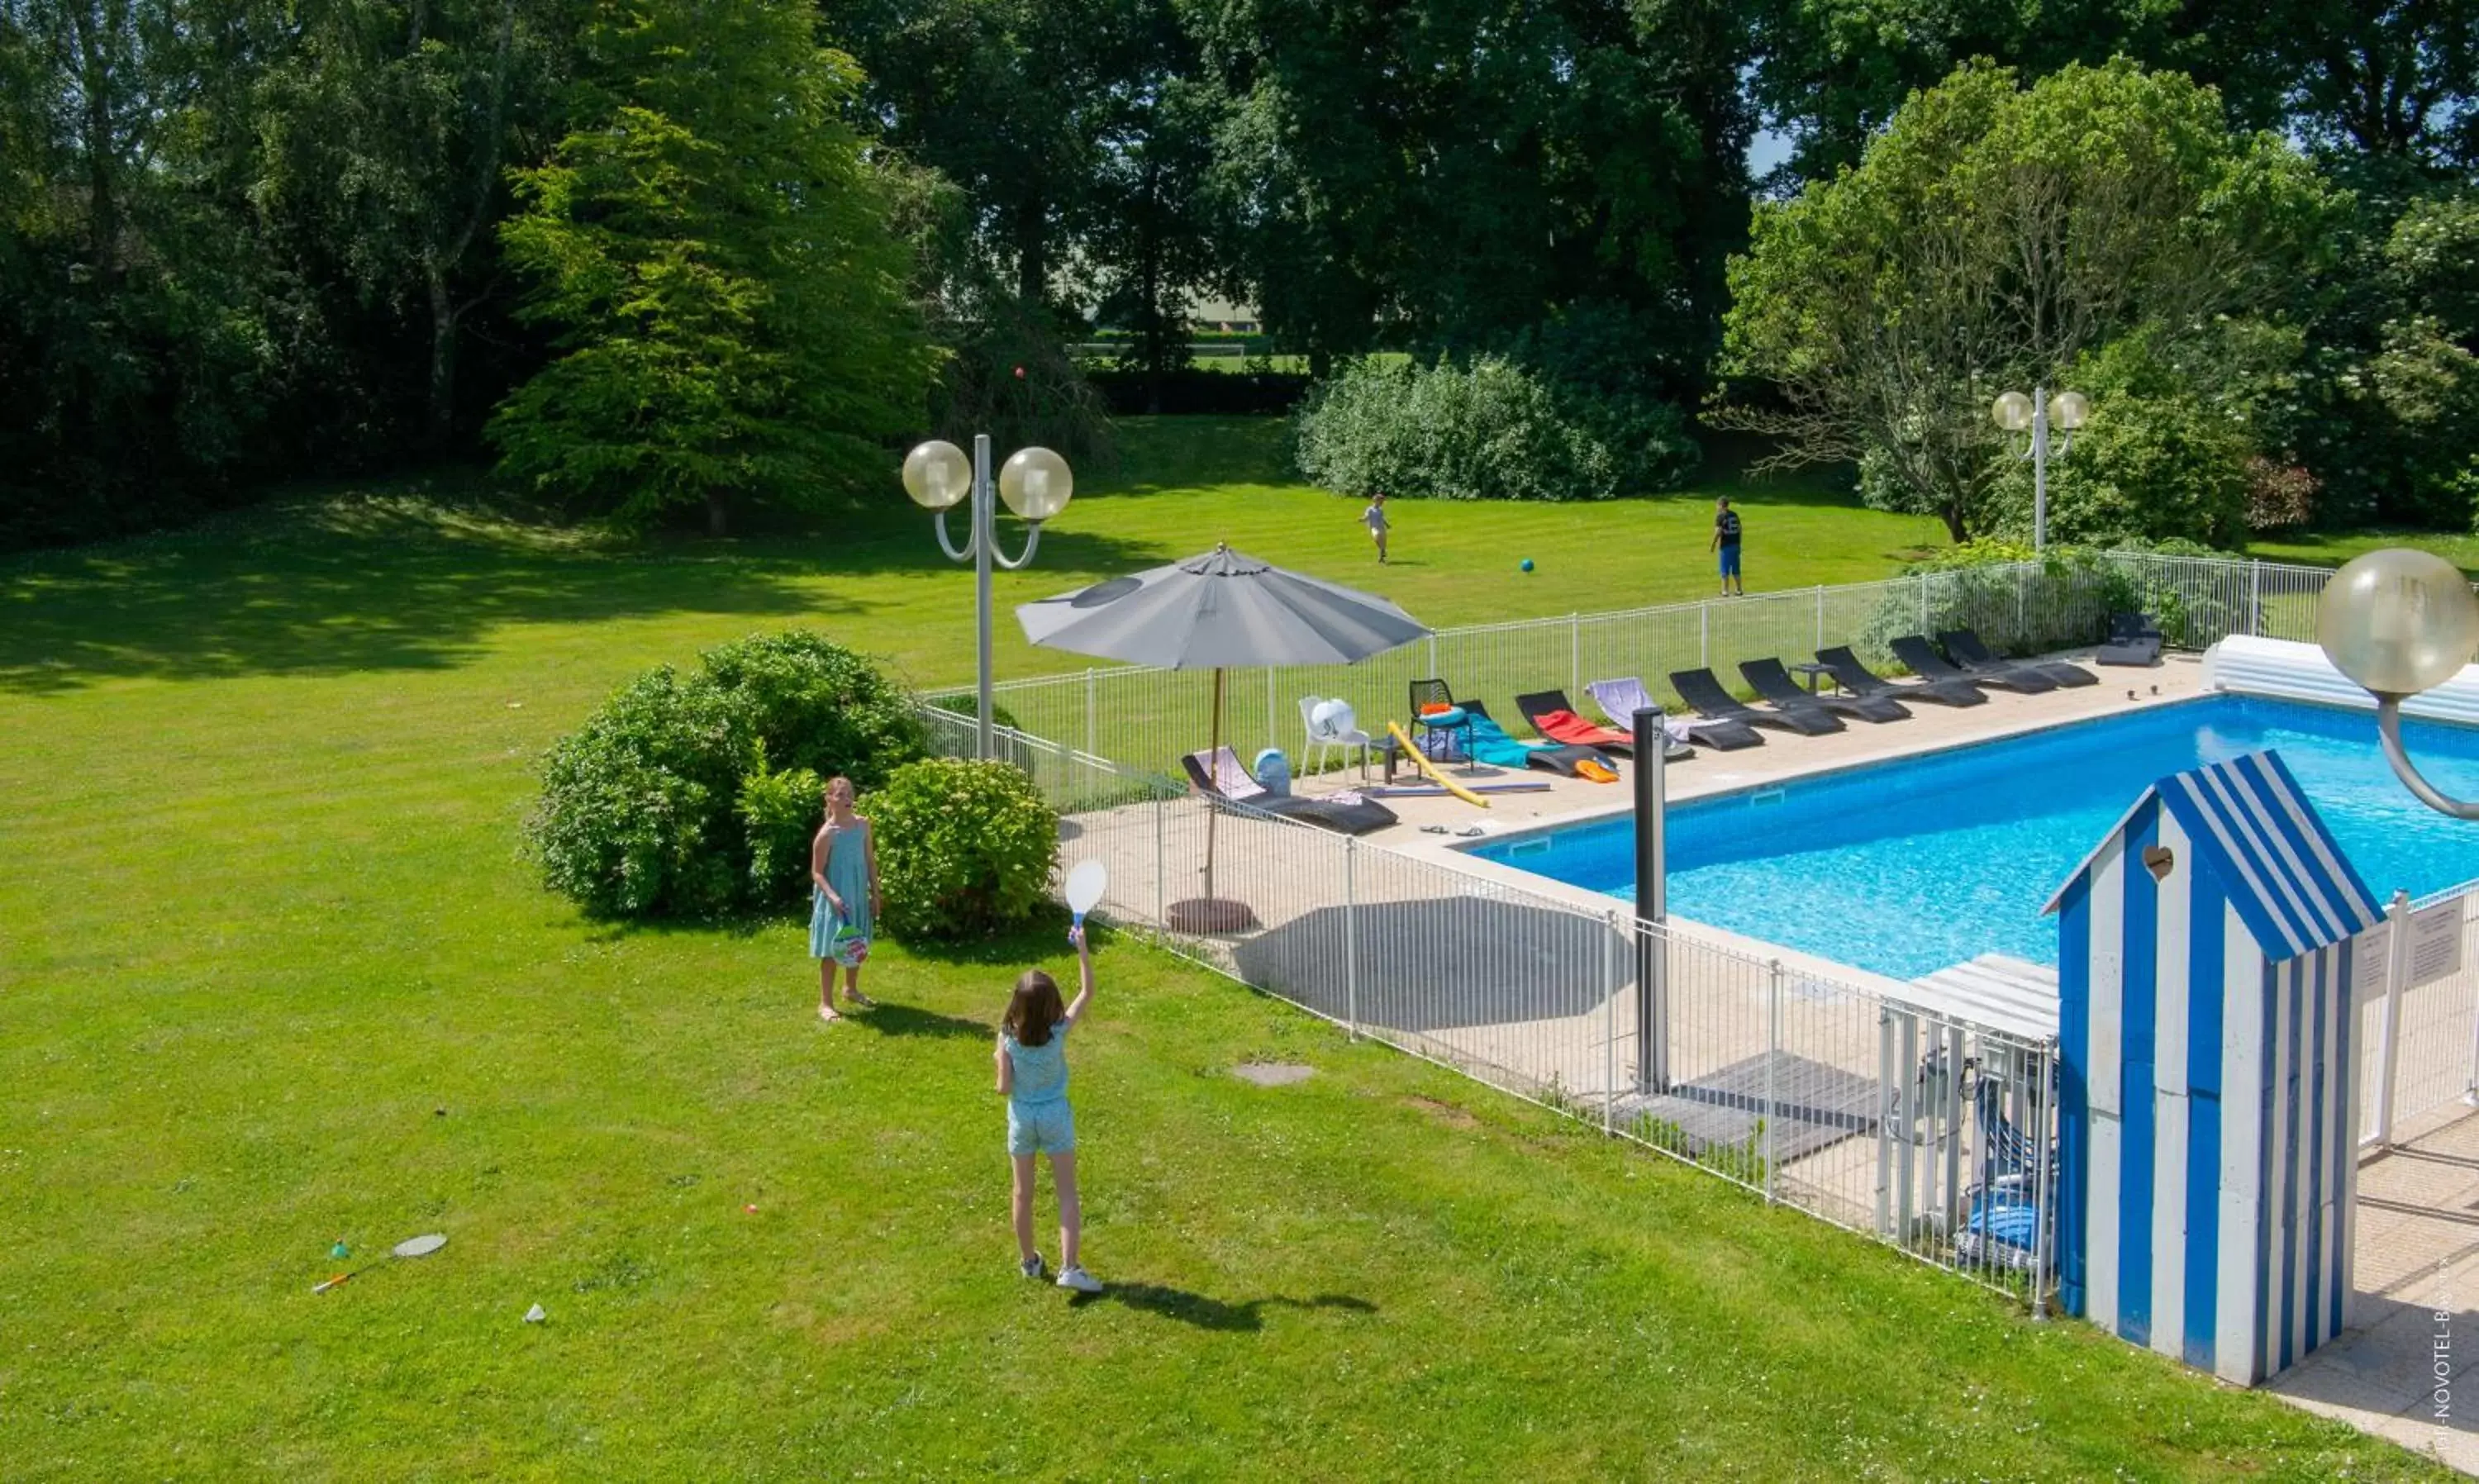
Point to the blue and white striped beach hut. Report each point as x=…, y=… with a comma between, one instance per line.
x=2208, y=1109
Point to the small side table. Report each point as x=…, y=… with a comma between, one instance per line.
x=1814, y=673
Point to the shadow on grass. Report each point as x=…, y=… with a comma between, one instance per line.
x=891, y=1017
x=1212, y=1313
x=417, y=578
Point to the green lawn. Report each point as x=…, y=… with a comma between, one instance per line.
x=272, y=974
x=2331, y=548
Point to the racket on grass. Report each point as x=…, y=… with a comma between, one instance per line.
x=1084, y=887
x=412, y=1247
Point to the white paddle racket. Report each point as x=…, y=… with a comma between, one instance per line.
x=1084, y=887
x=412, y=1247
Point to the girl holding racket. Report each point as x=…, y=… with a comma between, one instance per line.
x=1033, y=1073
x=843, y=912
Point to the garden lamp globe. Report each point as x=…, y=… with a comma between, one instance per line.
x=936, y=474
x=1036, y=484
x=2068, y=410
x=2012, y=411
x=2400, y=621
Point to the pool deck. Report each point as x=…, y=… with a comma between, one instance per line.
x=1784, y=756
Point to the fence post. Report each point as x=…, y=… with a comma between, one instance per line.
x=1433, y=654
x=2023, y=603
x=1704, y=634
x=1351, y=938
x=1574, y=653
x=1773, y=1067
x=1820, y=615
x=1924, y=603
x=1092, y=743
x=1162, y=908
x=2043, y=1200
x=2255, y=596
x=2397, y=979
x=1610, y=1021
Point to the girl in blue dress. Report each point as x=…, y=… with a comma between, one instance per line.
x=843, y=913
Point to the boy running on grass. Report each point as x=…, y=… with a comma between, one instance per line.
x=1374, y=518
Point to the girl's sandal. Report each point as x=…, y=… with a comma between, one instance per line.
x=827, y=1013
x=856, y=997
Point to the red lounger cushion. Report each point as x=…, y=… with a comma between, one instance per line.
x=1569, y=727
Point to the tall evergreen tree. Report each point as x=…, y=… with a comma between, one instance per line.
x=711, y=247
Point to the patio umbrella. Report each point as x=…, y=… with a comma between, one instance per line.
x=1215, y=611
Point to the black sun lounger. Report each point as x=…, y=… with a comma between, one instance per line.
x=1490, y=739
x=1774, y=683
x=1621, y=699
x=1704, y=694
x=1229, y=782
x=1858, y=680
x=2133, y=640
x=1915, y=651
x=1976, y=657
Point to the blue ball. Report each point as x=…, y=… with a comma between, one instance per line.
x=1527, y=564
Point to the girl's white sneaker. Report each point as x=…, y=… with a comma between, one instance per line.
x=1079, y=1280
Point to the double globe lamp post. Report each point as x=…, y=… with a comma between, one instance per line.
x=1036, y=484
x=2038, y=413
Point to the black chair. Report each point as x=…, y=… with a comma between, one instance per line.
x=1706, y=696
x=2133, y=640
x=1435, y=709
x=1776, y=684
x=1915, y=651
x=1858, y=680
x=1978, y=658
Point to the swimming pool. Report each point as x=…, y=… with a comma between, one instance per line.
x=1905, y=867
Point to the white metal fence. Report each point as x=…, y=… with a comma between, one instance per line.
x=1932, y=1135
x=2419, y=1041
x=1928, y=1134
x=1148, y=717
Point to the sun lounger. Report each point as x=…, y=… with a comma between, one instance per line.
x=1858, y=680
x=1776, y=684
x=1915, y=651
x=1491, y=743
x=2133, y=640
x=1219, y=776
x=1699, y=689
x=1621, y=699
x=1976, y=657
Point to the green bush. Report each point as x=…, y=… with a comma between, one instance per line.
x=2147, y=469
x=965, y=849
x=1490, y=430
x=646, y=810
x=779, y=813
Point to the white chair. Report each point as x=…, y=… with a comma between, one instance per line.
x=1329, y=724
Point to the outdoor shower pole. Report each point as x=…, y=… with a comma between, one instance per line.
x=1652, y=903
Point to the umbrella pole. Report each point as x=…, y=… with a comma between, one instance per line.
x=1211, y=759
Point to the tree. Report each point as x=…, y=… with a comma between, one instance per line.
x=387, y=130
x=1990, y=237
x=713, y=251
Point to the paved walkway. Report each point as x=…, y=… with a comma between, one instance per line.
x=2414, y=1321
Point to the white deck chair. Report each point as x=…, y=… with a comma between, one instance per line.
x=1329, y=724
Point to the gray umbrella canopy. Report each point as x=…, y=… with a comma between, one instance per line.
x=1220, y=610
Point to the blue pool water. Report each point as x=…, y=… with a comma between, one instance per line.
x=1909, y=866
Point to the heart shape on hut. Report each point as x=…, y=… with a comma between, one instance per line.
x=2159, y=861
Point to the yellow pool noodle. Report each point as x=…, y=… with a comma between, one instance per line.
x=1429, y=771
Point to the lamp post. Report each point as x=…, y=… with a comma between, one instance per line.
x=1036, y=484
x=2399, y=622
x=2040, y=412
